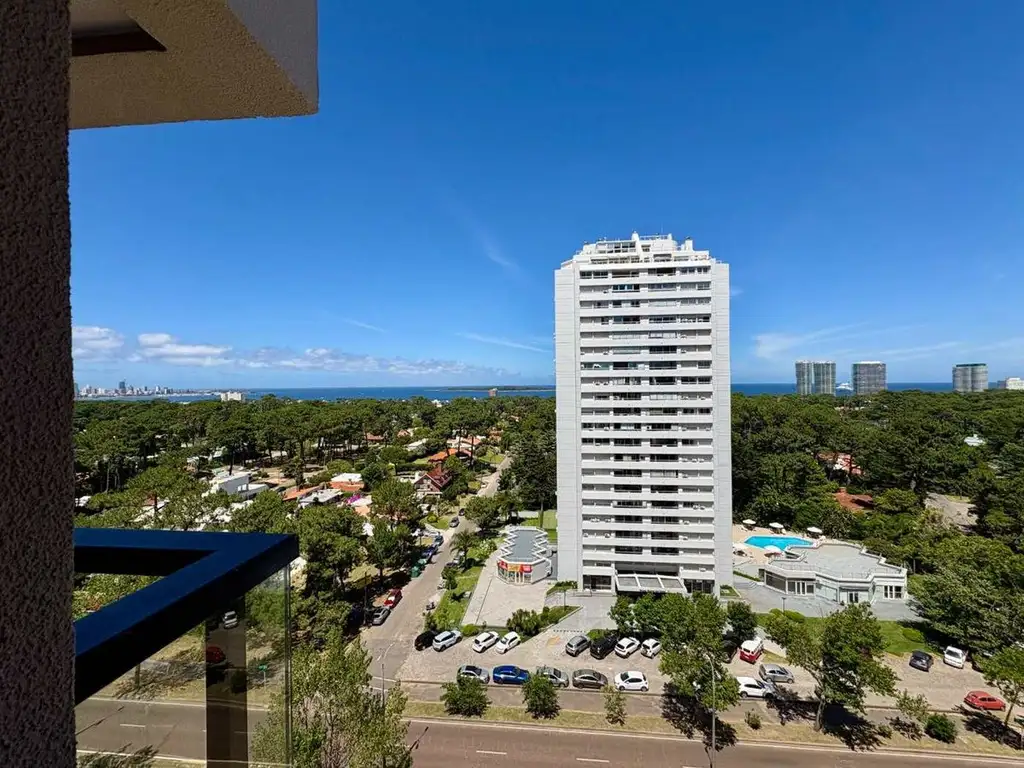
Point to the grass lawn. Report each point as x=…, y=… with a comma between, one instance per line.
x=493, y=457
x=548, y=519
x=900, y=639
x=450, y=610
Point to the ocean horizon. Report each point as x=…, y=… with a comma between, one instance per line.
x=449, y=393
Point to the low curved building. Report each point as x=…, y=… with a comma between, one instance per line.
x=525, y=556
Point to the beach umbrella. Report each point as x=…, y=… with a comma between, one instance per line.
x=776, y=526
x=750, y=523
x=814, y=531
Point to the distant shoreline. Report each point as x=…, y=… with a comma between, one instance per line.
x=506, y=388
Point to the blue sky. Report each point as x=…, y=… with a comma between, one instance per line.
x=858, y=165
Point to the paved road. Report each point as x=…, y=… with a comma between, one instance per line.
x=443, y=745
x=392, y=642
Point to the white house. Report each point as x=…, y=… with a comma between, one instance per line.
x=836, y=570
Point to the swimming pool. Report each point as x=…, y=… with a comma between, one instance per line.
x=777, y=541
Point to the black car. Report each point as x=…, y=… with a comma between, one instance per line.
x=424, y=640
x=603, y=645
x=921, y=660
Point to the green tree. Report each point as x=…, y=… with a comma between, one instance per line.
x=484, y=511
x=844, y=659
x=941, y=728
x=374, y=474
x=451, y=580
x=463, y=541
x=525, y=623
x=396, y=500
x=1005, y=670
x=337, y=718
x=540, y=697
x=914, y=712
x=614, y=705
x=383, y=547
x=621, y=613
x=742, y=621
x=467, y=697
x=268, y=513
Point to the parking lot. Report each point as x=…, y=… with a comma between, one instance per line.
x=943, y=686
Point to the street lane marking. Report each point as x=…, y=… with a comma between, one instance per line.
x=489, y=752
x=591, y=760
x=132, y=725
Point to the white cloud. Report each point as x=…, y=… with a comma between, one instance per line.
x=93, y=342
x=360, y=324
x=487, y=242
x=501, y=342
x=773, y=345
x=164, y=348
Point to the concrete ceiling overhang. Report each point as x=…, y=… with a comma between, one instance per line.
x=137, y=62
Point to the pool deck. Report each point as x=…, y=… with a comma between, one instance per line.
x=756, y=555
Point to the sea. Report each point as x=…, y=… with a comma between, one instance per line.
x=446, y=393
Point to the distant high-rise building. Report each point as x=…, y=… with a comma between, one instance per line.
x=868, y=377
x=1013, y=382
x=970, y=377
x=804, y=377
x=642, y=417
x=815, y=377
x=122, y=387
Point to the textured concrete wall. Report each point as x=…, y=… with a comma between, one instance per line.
x=36, y=481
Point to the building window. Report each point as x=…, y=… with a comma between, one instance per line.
x=892, y=592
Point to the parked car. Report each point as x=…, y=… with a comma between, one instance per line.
x=484, y=640
x=508, y=642
x=954, y=656
x=438, y=541
x=424, y=640
x=729, y=648
x=577, y=645
x=589, y=678
x=393, y=598
x=984, y=701
x=380, y=615
x=751, y=650
x=215, y=657
x=229, y=620
x=508, y=674
x=650, y=648
x=474, y=672
x=626, y=647
x=752, y=688
x=775, y=673
x=921, y=660
x=446, y=639
x=556, y=676
x=603, y=646
x=631, y=681
x=454, y=522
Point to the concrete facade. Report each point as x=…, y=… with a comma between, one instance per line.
x=970, y=377
x=275, y=74
x=868, y=377
x=643, y=417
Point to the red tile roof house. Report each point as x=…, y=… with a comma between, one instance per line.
x=840, y=462
x=854, y=502
x=441, y=456
x=433, y=482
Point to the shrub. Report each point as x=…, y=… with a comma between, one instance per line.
x=883, y=730
x=913, y=635
x=540, y=697
x=470, y=630
x=614, y=705
x=466, y=696
x=596, y=634
x=526, y=623
x=753, y=720
x=799, y=618
x=940, y=728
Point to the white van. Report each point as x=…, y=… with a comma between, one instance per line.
x=954, y=657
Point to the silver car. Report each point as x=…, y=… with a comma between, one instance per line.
x=775, y=673
x=556, y=676
x=474, y=672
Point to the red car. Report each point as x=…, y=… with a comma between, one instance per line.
x=984, y=701
x=393, y=597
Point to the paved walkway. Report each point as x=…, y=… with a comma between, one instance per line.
x=494, y=600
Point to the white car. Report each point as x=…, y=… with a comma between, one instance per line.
x=229, y=620
x=650, y=648
x=508, y=642
x=484, y=641
x=631, y=681
x=954, y=657
x=446, y=639
x=752, y=688
x=626, y=647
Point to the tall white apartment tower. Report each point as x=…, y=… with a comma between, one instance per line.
x=643, y=417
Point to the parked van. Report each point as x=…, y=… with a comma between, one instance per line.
x=954, y=657
x=751, y=650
